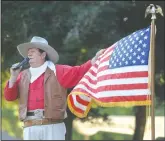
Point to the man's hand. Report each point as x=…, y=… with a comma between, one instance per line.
x=13, y=75
x=94, y=59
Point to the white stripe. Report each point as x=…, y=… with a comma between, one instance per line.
x=122, y=81
x=123, y=70
x=103, y=64
x=94, y=69
x=116, y=92
x=78, y=105
x=88, y=83
x=110, y=48
x=115, y=82
x=84, y=88
x=85, y=98
x=108, y=54
x=91, y=76
x=97, y=62
x=122, y=93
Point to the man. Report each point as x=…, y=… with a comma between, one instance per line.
x=42, y=90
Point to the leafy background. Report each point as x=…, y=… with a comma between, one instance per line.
x=77, y=30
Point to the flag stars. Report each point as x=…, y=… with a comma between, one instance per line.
x=145, y=37
x=137, y=38
x=142, y=61
x=136, y=46
x=119, y=53
x=144, y=45
x=134, y=61
x=131, y=50
x=139, y=49
x=138, y=57
x=147, y=29
x=123, y=59
x=130, y=39
x=135, y=35
x=128, y=47
x=143, y=53
x=130, y=57
x=134, y=53
x=126, y=62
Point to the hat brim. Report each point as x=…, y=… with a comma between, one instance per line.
x=51, y=52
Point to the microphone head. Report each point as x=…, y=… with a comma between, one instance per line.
x=26, y=59
x=21, y=64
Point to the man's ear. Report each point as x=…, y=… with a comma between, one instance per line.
x=44, y=54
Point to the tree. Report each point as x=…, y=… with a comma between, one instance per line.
x=77, y=29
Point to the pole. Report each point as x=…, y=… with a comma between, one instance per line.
x=151, y=9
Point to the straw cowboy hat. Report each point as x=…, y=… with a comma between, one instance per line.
x=41, y=43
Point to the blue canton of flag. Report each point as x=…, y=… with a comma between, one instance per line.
x=131, y=50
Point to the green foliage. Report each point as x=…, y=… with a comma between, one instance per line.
x=101, y=136
x=10, y=122
x=77, y=30
x=110, y=136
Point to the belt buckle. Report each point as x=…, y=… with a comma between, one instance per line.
x=38, y=113
x=39, y=122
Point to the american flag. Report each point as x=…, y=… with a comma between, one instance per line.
x=118, y=78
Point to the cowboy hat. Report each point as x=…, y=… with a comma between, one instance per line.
x=41, y=43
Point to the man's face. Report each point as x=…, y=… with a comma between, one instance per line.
x=36, y=58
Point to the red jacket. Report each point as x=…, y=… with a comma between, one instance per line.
x=67, y=76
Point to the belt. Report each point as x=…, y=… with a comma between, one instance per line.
x=41, y=122
x=33, y=113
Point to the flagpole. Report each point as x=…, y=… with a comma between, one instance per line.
x=151, y=9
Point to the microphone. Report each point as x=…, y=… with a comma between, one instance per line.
x=24, y=62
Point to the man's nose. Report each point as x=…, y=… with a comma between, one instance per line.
x=29, y=54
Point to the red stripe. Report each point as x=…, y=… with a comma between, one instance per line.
x=74, y=107
x=83, y=102
x=108, y=50
x=92, y=72
x=115, y=87
x=105, y=59
x=117, y=98
x=95, y=65
x=123, y=75
x=87, y=86
x=124, y=98
x=105, y=53
x=82, y=90
x=122, y=87
x=90, y=80
x=108, y=57
x=118, y=75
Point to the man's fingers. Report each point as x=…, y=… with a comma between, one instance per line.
x=100, y=52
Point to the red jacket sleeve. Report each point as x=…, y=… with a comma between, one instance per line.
x=11, y=94
x=69, y=76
